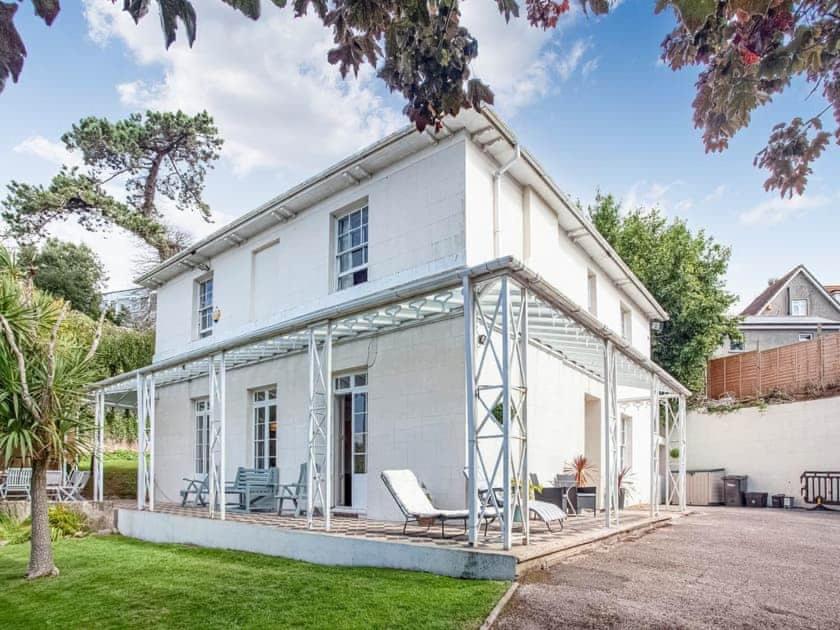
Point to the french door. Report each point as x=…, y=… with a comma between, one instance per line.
x=264, y=406
x=352, y=405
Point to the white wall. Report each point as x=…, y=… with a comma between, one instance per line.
x=416, y=222
x=416, y=414
x=530, y=232
x=773, y=447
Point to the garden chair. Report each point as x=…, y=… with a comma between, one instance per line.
x=415, y=504
x=294, y=492
x=17, y=483
x=198, y=488
x=54, y=482
x=75, y=485
x=543, y=510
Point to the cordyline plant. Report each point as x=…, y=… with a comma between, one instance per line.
x=748, y=51
x=45, y=367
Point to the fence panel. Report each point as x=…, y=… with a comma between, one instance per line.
x=794, y=369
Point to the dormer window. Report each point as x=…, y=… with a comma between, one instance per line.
x=626, y=323
x=204, y=304
x=799, y=308
x=351, y=251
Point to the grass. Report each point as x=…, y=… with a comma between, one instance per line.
x=116, y=582
x=120, y=471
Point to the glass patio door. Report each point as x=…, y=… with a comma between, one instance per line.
x=352, y=402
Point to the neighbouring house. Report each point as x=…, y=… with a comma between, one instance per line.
x=793, y=308
x=328, y=326
x=133, y=307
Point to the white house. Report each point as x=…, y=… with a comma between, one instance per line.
x=328, y=326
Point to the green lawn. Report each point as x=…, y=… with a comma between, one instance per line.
x=116, y=582
x=120, y=472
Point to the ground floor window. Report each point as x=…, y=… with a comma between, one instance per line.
x=264, y=403
x=626, y=454
x=201, y=412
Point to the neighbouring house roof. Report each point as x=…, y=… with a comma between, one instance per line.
x=832, y=288
x=757, y=306
x=485, y=128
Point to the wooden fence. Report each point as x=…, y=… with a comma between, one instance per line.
x=794, y=369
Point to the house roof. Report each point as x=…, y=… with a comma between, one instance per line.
x=832, y=288
x=754, y=322
x=757, y=306
x=484, y=128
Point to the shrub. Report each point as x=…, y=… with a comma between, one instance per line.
x=64, y=522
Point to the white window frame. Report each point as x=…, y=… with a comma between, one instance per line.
x=626, y=322
x=807, y=336
x=626, y=450
x=264, y=398
x=203, y=309
x=349, y=248
x=201, y=427
x=799, y=301
x=592, y=292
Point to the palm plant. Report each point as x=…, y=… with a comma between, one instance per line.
x=46, y=365
x=582, y=468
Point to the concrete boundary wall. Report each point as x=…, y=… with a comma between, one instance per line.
x=318, y=548
x=773, y=446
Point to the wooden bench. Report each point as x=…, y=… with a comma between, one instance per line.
x=252, y=485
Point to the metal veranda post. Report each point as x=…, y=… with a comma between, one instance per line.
x=666, y=404
x=99, y=422
x=469, y=382
x=141, y=443
x=683, y=440
x=654, y=445
x=311, y=459
x=523, y=414
x=222, y=384
x=608, y=430
x=328, y=404
x=150, y=414
x=507, y=506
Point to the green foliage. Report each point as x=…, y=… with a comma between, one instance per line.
x=685, y=272
x=674, y=453
x=66, y=270
x=116, y=582
x=64, y=522
x=154, y=154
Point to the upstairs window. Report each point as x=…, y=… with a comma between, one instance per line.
x=799, y=308
x=205, y=307
x=592, y=292
x=736, y=346
x=351, y=250
x=806, y=336
x=626, y=323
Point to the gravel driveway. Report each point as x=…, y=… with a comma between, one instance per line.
x=717, y=568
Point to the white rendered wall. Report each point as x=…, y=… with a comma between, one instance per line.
x=415, y=420
x=773, y=447
x=416, y=221
x=530, y=232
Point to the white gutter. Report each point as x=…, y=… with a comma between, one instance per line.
x=497, y=192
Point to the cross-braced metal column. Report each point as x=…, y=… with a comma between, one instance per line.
x=610, y=434
x=146, y=442
x=319, y=463
x=98, y=444
x=675, y=440
x=654, y=446
x=218, y=382
x=496, y=398
x=683, y=443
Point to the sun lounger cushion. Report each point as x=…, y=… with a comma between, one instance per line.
x=546, y=511
x=409, y=493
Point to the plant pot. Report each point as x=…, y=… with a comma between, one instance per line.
x=621, y=494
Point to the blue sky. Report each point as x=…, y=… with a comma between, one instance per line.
x=590, y=100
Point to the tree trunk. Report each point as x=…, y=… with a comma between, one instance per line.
x=40, y=553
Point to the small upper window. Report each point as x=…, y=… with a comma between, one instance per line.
x=736, y=346
x=626, y=323
x=351, y=250
x=592, y=292
x=806, y=336
x=799, y=308
x=205, y=307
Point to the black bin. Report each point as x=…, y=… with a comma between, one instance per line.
x=756, y=499
x=734, y=487
x=778, y=500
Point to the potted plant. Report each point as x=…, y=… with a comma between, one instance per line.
x=625, y=485
x=583, y=470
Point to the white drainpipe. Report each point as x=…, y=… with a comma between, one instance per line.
x=497, y=191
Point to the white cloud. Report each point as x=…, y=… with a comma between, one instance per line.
x=773, y=211
x=716, y=194
x=589, y=67
x=53, y=152
x=277, y=102
x=522, y=64
x=645, y=194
